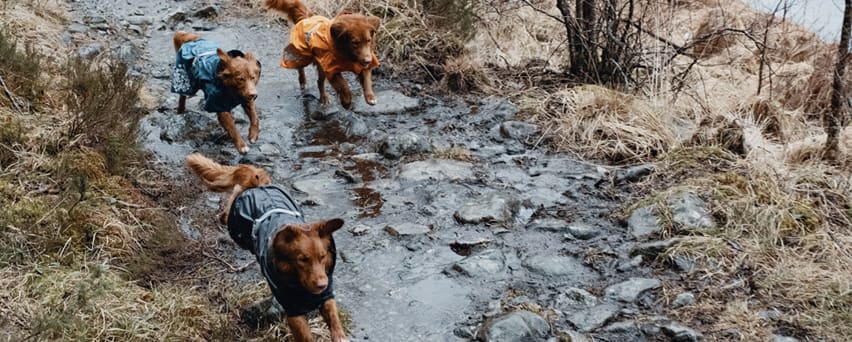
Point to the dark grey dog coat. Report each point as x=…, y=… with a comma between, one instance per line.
x=256, y=216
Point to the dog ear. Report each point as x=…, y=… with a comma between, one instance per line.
x=236, y=53
x=338, y=31
x=286, y=235
x=330, y=226
x=250, y=57
x=223, y=56
x=374, y=21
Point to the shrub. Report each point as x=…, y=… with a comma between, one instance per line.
x=21, y=70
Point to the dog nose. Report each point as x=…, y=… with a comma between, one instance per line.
x=321, y=284
x=252, y=97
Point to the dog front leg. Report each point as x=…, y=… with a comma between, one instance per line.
x=341, y=87
x=303, y=80
x=227, y=122
x=254, y=123
x=332, y=319
x=321, y=85
x=300, y=329
x=181, y=105
x=366, y=78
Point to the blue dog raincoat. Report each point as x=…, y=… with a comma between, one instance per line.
x=256, y=216
x=196, y=66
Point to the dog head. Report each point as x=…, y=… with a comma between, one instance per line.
x=304, y=252
x=239, y=72
x=355, y=37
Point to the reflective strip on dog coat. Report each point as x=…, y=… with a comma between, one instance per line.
x=256, y=216
x=310, y=39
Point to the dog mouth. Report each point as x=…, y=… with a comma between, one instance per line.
x=365, y=64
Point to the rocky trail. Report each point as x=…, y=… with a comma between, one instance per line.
x=451, y=219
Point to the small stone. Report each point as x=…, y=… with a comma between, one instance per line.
x=634, y=174
x=625, y=327
x=269, y=149
x=406, y=229
x=135, y=29
x=684, y=264
x=211, y=11
x=518, y=130
x=683, y=299
x=576, y=336
x=517, y=326
x=465, y=332
x=387, y=102
x=680, y=333
x=593, y=318
x=94, y=19
x=487, y=263
x=408, y=143
x=628, y=291
x=77, y=28
x=436, y=169
x=690, y=212
x=90, y=51
x=770, y=315
x=548, y=224
x=493, y=308
x=583, y=231
x=781, y=338
x=558, y=266
x=643, y=222
x=359, y=230
x=140, y=20
x=347, y=176
x=653, y=248
x=177, y=16
x=633, y=263
x=204, y=26
x=493, y=208
x=368, y=156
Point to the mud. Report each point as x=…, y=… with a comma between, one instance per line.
x=435, y=286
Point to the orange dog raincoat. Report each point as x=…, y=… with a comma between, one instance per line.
x=310, y=39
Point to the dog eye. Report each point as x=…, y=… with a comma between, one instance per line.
x=303, y=259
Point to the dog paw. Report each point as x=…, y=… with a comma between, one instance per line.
x=243, y=150
x=371, y=100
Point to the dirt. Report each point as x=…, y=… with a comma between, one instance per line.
x=397, y=288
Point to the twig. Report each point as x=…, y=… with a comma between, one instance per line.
x=10, y=95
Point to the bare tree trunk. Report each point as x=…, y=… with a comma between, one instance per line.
x=834, y=120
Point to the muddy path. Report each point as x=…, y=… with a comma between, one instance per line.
x=450, y=218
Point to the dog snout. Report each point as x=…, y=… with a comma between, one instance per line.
x=251, y=97
x=321, y=284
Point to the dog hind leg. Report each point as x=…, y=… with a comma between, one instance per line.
x=341, y=87
x=321, y=85
x=181, y=105
x=303, y=80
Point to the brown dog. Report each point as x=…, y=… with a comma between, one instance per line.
x=345, y=43
x=297, y=258
x=227, y=80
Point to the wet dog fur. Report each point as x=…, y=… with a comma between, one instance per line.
x=239, y=75
x=298, y=251
x=354, y=38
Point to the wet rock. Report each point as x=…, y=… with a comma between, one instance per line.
x=683, y=299
x=680, y=333
x=90, y=51
x=557, y=265
x=593, y=318
x=359, y=230
x=465, y=332
x=128, y=53
x=652, y=249
x=575, y=297
x=494, y=308
x=140, y=20
x=643, y=222
x=387, y=102
x=175, y=17
x=488, y=262
x=209, y=12
x=93, y=20
x=518, y=326
x=346, y=176
x=204, y=26
x=466, y=246
x=770, y=315
x=576, y=336
x=631, y=264
x=544, y=197
x=408, y=143
x=493, y=208
x=690, y=212
x=496, y=110
x=263, y=312
x=269, y=150
x=77, y=28
x=634, y=174
x=135, y=29
x=406, y=229
x=583, y=231
x=518, y=130
x=781, y=338
x=628, y=291
x=316, y=187
x=623, y=328
x=436, y=169
x=548, y=224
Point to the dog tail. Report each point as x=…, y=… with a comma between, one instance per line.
x=217, y=177
x=294, y=9
x=182, y=37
